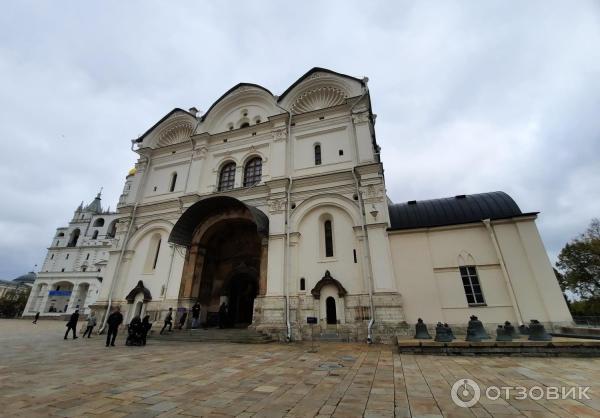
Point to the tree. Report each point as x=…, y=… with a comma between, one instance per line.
x=13, y=302
x=579, y=264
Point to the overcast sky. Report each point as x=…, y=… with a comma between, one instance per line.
x=470, y=96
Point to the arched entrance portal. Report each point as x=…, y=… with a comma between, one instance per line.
x=226, y=258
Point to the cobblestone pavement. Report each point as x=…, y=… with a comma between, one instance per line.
x=43, y=375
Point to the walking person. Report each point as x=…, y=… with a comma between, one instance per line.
x=182, y=319
x=91, y=323
x=168, y=321
x=37, y=316
x=196, y=315
x=72, y=324
x=114, y=320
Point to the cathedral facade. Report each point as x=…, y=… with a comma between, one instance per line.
x=277, y=206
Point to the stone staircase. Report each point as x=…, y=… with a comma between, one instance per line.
x=228, y=335
x=331, y=334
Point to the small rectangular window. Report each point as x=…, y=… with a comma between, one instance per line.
x=341, y=152
x=354, y=253
x=471, y=285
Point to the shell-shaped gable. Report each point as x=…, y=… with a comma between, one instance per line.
x=319, y=89
x=174, y=128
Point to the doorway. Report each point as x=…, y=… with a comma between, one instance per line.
x=242, y=291
x=331, y=311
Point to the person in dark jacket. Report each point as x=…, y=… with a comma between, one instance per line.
x=196, y=315
x=146, y=325
x=37, y=316
x=182, y=319
x=168, y=321
x=223, y=315
x=72, y=324
x=114, y=320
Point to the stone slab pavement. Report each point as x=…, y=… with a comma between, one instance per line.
x=43, y=375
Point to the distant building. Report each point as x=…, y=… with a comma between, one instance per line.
x=71, y=275
x=22, y=283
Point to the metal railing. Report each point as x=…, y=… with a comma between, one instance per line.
x=588, y=321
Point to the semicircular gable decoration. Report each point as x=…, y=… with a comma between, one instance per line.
x=318, y=98
x=175, y=133
x=137, y=289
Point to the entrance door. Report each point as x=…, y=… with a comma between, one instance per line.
x=331, y=312
x=242, y=292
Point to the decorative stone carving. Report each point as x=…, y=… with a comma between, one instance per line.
x=201, y=152
x=276, y=205
x=359, y=118
x=176, y=133
x=319, y=98
x=280, y=135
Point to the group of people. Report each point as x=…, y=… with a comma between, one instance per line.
x=138, y=328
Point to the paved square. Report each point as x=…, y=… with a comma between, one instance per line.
x=43, y=375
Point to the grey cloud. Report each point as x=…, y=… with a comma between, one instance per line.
x=470, y=97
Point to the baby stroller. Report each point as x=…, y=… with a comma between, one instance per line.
x=135, y=332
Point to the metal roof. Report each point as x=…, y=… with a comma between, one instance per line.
x=456, y=210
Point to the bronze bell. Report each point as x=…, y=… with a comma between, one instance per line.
x=503, y=334
x=523, y=329
x=510, y=329
x=475, y=330
x=421, y=331
x=443, y=333
x=537, y=332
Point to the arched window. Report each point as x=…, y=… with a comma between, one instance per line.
x=95, y=235
x=156, y=254
x=227, y=177
x=112, y=230
x=328, y=239
x=152, y=254
x=61, y=234
x=99, y=222
x=74, y=238
x=302, y=283
x=244, y=125
x=253, y=172
x=317, y=154
x=173, y=182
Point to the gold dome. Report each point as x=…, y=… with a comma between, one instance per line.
x=132, y=172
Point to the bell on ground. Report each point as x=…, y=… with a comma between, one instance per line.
x=537, y=332
x=421, y=331
x=475, y=331
x=443, y=333
x=510, y=329
x=503, y=334
x=523, y=329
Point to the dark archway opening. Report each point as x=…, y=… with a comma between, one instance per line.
x=331, y=312
x=229, y=271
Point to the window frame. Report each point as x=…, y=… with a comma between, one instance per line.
x=173, y=182
x=328, y=237
x=318, y=154
x=255, y=177
x=470, y=283
x=228, y=183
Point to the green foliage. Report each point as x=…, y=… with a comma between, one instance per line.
x=588, y=307
x=13, y=302
x=579, y=264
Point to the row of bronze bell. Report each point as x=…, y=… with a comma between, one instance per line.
x=476, y=332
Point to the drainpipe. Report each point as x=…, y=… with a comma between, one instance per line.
x=287, y=226
x=367, y=250
x=187, y=179
x=511, y=291
x=125, y=241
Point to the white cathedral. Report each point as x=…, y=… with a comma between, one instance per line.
x=277, y=206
